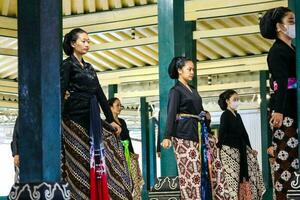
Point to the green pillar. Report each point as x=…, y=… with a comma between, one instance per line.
x=39, y=59
x=191, y=47
x=152, y=151
x=171, y=43
x=145, y=146
x=112, y=90
x=295, y=6
x=297, y=12
x=263, y=76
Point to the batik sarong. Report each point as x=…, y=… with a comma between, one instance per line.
x=189, y=168
x=76, y=159
x=137, y=177
x=219, y=185
x=119, y=181
x=285, y=144
x=231, y=162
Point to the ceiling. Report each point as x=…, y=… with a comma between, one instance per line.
x=124, y=35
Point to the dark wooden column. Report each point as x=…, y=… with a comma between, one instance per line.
x=39, y=50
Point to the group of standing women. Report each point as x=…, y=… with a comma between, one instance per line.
x=234, y=164
x=226, y=167
x=201, y=175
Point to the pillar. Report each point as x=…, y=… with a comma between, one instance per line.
x=263, y=77
x=171, y=43
x=145, y=146
x=112, y=90
x=40, y=54
x=191, y=47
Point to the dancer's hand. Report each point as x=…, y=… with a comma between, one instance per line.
x=166, y=143
x=17, y=160
x=276, y=120
x=270, y=151
x=67, y=95
x=254, y=152
x=116, y=127
x=136, y=156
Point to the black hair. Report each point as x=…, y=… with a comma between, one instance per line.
x=111, y=101
x=225, y=96
x=69, y=38
x=177, y=63
x=268, y=22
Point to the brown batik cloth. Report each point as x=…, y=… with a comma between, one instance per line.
x=76, y=159
x=285, y=143
x=189, y=168
x=231, y=163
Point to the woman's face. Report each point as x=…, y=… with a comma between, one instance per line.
x=82, y=44
x=187, y=71
x=233, y=101
x=116, y=107
x=287, y=26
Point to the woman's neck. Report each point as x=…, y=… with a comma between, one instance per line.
x=231, y=110
x=184, y=82
x=285, y=39
x=115, y=116
x=78, y=57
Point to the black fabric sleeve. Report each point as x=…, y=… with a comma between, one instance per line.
x=125, y=134
x=222, y=130
x=64, y=81
x=14, y=144
x=172, y=111
x=278, y=67
x=103, y=103
x=245, y=134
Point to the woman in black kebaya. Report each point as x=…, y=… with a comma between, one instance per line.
x=279, y=24
x=184, y=106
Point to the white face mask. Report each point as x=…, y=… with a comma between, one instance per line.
x=290, y=31
x=235, y=105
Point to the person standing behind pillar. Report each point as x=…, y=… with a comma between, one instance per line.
x=279, y=24
x=80, y=115
x=184, y=106
x=15, y=149
x=131, y=157
x=239, y=160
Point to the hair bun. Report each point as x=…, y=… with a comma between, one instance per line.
x=267, y=25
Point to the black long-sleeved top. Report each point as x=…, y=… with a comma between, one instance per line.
x=232, y=133
x=125, y=134
x=282, y=65
x=182, y=100
x=15, y=141
x=81, y=82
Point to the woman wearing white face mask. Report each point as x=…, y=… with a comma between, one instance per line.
x=241, y=171
x=279, y=24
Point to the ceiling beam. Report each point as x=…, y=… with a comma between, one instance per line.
x=8, y=104
x=102, y=5
x=241, y=7
x=123, y=44
x=8, y=23
x=208, y=88
x=8, y=33
x=67, y=7
x=90, y=6
x=147, y=15
x=8, y=52
x=5, y=7
x=150, y=73
x=226, y=32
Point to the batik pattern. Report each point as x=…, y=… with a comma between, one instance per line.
x=189, y=168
